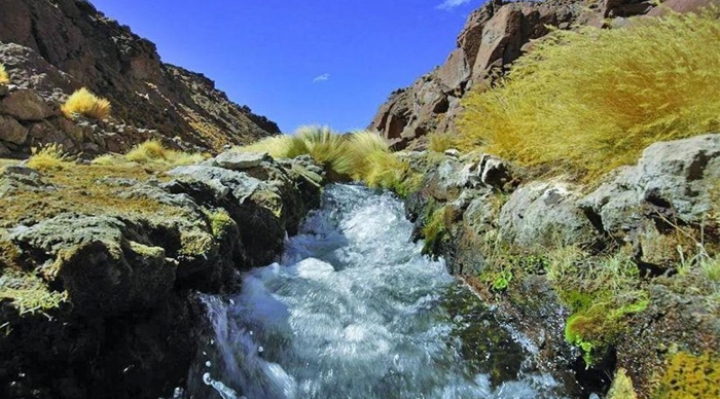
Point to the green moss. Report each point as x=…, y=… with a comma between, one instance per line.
x=220, y=222
x=269, y=200
x=409, y=184
x=595, y=327
x=146, y=251
x=434, y=230
x=502, y=281
x=688, y=376
x=196, y=243
x=29, y=293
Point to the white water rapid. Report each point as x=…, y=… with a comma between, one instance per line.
x=354, y=311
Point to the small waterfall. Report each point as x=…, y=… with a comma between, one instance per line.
x=354, y=310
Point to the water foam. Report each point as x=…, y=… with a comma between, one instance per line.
x=352, y=311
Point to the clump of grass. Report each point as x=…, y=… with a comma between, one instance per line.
x=323, y=145
x=360, y=146
x=590, y=100
x=363, y=156
x=28, y=293
x=151, y=153
x=278, y=147
x=49, y=158
x=83, y=102
x=441, y=142
x=4, y=77
x=434, y=231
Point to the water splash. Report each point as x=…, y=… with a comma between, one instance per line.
x=352, y=311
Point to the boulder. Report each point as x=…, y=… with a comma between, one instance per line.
x=11, y=131
x=542, y=214
x=26, y=105
x=677, y=179
x=99, y=264
x=240, y=160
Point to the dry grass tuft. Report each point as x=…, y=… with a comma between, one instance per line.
x=356, y=158
x=50, y=157
x=591, y=100
x=85, y=103
x=361, y=155
x=152, y=153
x=324, y=145
x=279, y=147
x=4, y=77
x=441, y=142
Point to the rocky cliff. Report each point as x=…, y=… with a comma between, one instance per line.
x=51, y=48
x=493, y=37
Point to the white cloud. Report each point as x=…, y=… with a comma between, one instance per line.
x=450, y=4
x=322, y=78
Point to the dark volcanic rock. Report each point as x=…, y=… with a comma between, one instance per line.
x=82, y=47
x=494, y=36
x=131, y=317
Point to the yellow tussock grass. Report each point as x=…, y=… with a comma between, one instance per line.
x=83, y=102
x=4, y=77
x=361, y=155
x=591, y=100
x=278, y=147
x=154, y=153
x=48, y=158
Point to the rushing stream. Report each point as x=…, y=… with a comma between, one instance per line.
x=355, y=311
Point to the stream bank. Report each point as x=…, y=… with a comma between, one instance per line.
x=102, y=268
x=619, y=278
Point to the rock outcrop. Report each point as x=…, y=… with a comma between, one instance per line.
x=493, y=37
x=51, y=48
x=657, y=215
x=100, y=276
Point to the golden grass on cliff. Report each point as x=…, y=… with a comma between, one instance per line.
x=4, y=77
x=83, y=102
x=591, y=100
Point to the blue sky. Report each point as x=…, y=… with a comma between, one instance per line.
x=301, y=61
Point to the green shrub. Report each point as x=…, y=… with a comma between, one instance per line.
x=590, y=100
